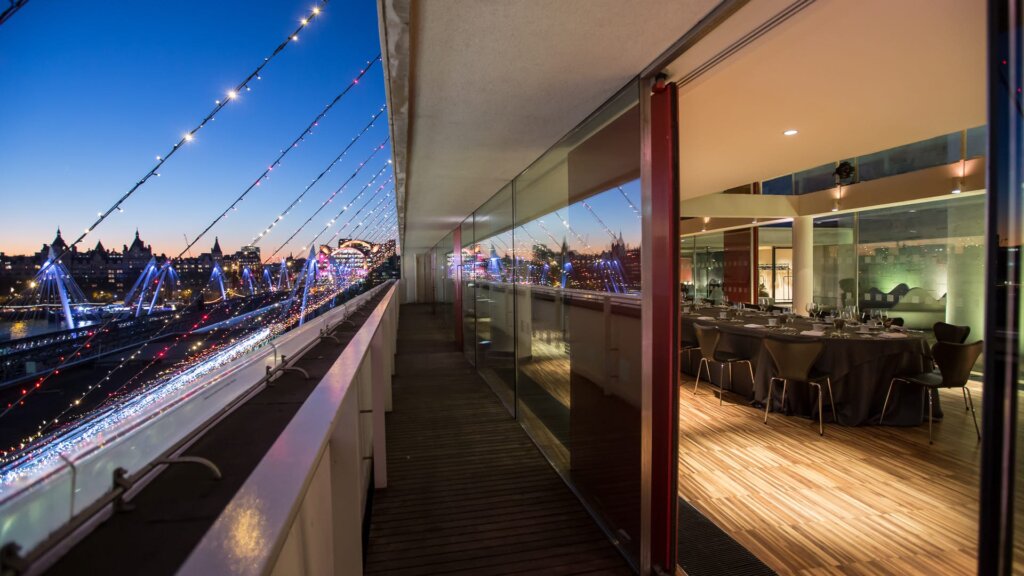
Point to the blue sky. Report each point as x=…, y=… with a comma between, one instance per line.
x=92, y=92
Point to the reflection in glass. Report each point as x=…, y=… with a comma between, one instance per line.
x=493, y=274
x=469, y=250
x=924, y=263
x=577, y=271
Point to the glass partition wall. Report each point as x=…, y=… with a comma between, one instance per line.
x=468, y=250
x=441, y=259
x=493, y=271
x=551, y=309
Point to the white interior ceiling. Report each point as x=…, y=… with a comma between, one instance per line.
x=852, y=77
x=478, y=90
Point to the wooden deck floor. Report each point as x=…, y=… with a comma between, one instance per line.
x=468, y=491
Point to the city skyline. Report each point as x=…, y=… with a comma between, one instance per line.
x=199, y=248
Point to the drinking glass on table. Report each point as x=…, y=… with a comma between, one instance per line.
x=839, y=323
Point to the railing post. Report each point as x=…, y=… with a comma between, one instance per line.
x=378, y=348
x=347, y=489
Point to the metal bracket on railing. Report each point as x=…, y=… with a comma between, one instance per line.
x=193, y=460
x=74, y=481
x=11, y=560
x=122, y=481
x=345, y=316
x=286, y=368
x=325, y=336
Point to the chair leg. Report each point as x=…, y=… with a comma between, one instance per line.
x=821, y=412
x=929, y=416
x=832, y=400
x=886, y=405
x=973, y=415
x=700, y=366
x=964, y=390
x=721, y=383
x=750, y=367
x=785, y=383
x=768, y=402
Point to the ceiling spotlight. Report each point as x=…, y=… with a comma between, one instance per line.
x=835, y=205
x=957, y=186
x=790, y=132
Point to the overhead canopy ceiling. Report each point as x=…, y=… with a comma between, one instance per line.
x=852, y=77
x=479, y=90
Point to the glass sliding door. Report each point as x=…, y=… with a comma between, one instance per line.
x=469, y=255
x=494, y=274
x=577, y=260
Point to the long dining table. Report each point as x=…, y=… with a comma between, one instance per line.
x=860, y=364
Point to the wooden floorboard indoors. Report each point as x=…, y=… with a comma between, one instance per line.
x=858, y=500
x=468, y=492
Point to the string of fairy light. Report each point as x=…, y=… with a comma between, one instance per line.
x=284, y=152
x=233, y=94
x=375, y=217
x=332, y=196
x=352, y=216
x=320, y=176
x=379, y=209
x=345, y=208
x=628, y=201
x=13, y=6
x=579, y=238
x=385, y=230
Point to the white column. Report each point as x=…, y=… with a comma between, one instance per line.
x=803, y=262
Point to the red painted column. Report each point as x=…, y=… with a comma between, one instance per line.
x=457, y=278
x=664, y=288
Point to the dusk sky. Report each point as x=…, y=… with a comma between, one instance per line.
x=93, y=92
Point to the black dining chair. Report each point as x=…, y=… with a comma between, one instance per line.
x=708, y=338
x=957, y=335
x=794, y=361
x=896, y=321
x=951, y=332
x=955, y=362
x=687, y=347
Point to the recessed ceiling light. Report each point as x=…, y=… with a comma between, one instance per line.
x=790, y=132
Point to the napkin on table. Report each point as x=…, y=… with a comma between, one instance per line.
x=894, y=335
x=812, y=333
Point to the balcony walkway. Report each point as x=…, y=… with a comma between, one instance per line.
x=468, y=491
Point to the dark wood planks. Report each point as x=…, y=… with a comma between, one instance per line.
x=468, y=491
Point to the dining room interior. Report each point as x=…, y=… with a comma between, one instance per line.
x=832, y=243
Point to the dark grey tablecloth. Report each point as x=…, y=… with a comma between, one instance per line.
x=860, y=367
